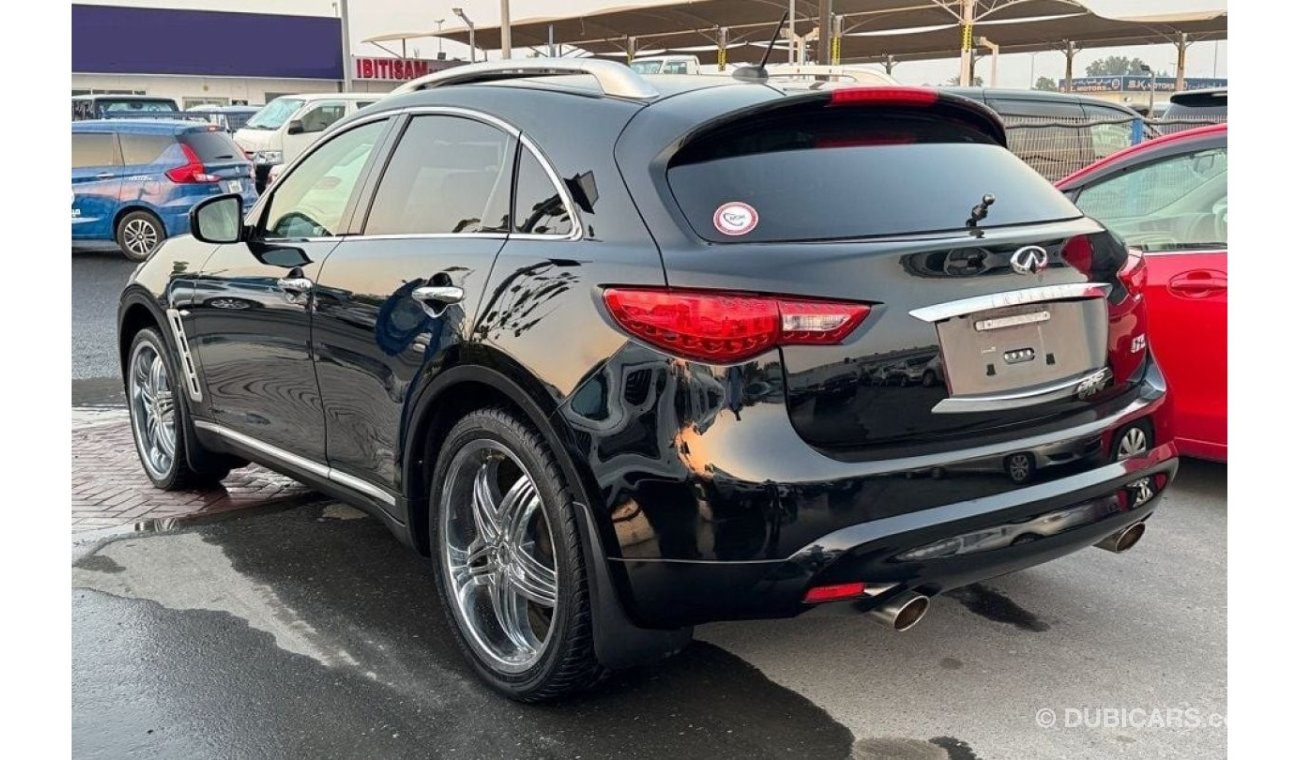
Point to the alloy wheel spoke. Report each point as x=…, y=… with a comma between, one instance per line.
x=533, y=580
x=484, y=506
x=518, y=503
x=509, y=612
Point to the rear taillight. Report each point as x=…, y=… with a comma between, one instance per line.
x=910, y=96
x=725, y=328
x=1134, y=273
x=192, y=171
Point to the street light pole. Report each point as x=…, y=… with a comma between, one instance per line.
x=505, y=28
x=439, y=22
x=460, y=12
x=347, y=46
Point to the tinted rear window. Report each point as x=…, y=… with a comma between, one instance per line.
x=144, y=149
x=213, y=147
x=855, y=173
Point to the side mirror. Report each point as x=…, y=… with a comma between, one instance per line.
x=295, y=127
x=218, y=219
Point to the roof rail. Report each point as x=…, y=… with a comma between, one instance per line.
x=852, y=74
x=614, y=79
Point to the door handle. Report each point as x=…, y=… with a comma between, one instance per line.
x=295, y=285
x=435, y=299
x=105, y=175
x=1199, y=283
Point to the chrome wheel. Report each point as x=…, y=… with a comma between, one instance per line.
x=1132, y=444
x=1019, y=467
x=153, y=410
x=498, y=555
x=140, y=236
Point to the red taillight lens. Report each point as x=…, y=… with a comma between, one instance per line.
x=1134, y=273
x=725, y=328
x=902, y=96
x=192, y=171
x=834, y=593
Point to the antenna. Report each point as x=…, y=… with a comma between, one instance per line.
x=759, y=73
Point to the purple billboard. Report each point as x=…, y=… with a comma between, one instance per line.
x=109, y=39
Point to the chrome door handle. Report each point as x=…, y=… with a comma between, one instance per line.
x=435, y=299
x=297, y=285
x=105, y=175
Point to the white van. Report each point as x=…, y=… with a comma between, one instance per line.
x=284, y=128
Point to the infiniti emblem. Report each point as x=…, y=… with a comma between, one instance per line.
x=1031, y=259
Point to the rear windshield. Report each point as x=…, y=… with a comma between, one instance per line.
x=213, y=146
x=134, y=106
x=853, y=173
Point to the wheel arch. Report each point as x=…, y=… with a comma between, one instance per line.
x=135, y=312
x=121, y=213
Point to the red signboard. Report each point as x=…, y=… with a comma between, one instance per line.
x=393, y=69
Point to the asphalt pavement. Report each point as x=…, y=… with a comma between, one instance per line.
x=310, y=632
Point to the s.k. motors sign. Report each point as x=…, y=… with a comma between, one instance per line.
x=395, y=69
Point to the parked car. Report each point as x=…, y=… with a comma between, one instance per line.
x=1059, y=132
x=134, y=182
x=1190, y=108
x=229, y=118
x=564, y=335
x=283, y=128
x=122, y=107
x=666, y=64
x=1169, y=198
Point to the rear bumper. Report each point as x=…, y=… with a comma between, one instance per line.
x=713, y=508
x=1040, y=523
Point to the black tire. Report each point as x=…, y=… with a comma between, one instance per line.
x=129, y=229
x=180, y=474
x=567, y=661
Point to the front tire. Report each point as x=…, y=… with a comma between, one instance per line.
x=160, y=419
x=139, y=234
x=508, y=559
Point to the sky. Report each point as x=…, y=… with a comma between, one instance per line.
x=373, y=17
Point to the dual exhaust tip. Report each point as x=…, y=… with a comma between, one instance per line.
x=906, y=610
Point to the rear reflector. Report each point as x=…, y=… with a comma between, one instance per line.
x=724, y=328
x=834, y=593
x=894, y=96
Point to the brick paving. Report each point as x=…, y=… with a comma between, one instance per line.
x=109, y=487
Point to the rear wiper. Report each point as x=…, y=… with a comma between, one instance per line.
x=980, y=210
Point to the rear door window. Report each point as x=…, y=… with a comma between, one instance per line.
x=539, y=206
x=448, y=175
x=140, y=150
x=94, y=149
x=854, y=173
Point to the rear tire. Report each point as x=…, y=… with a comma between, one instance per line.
x=508, y=559
x=160, y=419
x=139, y=234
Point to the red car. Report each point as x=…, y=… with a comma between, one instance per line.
x=1169, y=199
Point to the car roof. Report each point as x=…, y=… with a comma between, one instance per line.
x=1142, y=148
x=141, y=126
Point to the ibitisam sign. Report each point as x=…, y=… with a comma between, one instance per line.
x=395, y=69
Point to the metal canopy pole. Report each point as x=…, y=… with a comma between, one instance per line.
x=460, y=12
x=824, y=34
x=967, y=42
x=722, y=48
x=1070, y=50
x=1181, y=75
x=790, y=52
x=347, y=46
x=505, y=28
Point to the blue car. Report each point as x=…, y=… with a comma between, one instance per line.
x=135, y=181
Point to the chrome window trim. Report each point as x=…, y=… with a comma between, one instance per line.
x=303, y=463
x=941, y=311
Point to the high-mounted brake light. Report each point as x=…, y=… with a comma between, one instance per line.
x=724, y=328
x=900, y=96
x=192, y=171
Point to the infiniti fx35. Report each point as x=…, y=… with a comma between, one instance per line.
x=610, y=350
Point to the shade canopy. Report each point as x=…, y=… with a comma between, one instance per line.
x=871, y=29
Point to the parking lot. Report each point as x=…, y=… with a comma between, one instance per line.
x=302, y=629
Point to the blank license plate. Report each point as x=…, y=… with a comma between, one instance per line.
x=1023, y=346
x=234, y=186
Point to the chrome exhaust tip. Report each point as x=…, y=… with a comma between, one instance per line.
x=1122, y=541
x=901, y=612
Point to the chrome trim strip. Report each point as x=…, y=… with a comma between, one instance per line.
x=614, y=78
x=192, y=385
x=302, y=463
x=941, y=311
x=1016, y=399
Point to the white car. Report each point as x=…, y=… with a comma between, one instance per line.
x=284, y=128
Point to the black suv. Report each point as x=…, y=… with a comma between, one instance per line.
x=623, y=355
